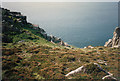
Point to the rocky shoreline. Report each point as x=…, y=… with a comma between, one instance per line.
x=13, y=17
x=17, y=17
x=28, y=52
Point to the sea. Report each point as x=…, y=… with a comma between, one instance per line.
x=78, y=23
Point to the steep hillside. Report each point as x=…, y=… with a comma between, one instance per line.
x=29, y=53
x=16, y=28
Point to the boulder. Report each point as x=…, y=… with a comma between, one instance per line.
x=92, y=67
x=115, y=41
x=109, y=43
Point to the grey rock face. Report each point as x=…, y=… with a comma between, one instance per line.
x=115, y=41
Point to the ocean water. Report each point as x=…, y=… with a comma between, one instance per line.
x=78, y=23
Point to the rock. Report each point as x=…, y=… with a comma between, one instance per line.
x=15, y=13
x=42, y=30
x=54, y=39
x=109, y=77
x=89, y=68
x=17, y=17
x=62, y=43
x=21, y=41
x=115, y=41
x=102, y=62
x=85, y=47
x=109, y=43
x=89, y=47
x=75, y=71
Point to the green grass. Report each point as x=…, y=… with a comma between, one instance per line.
x=37, y=58
x=55, y=63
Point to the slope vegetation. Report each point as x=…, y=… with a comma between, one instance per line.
x=28, y=55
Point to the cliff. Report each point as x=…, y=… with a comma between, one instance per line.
x=115, y=41
x=16, y=18
x=29, y=53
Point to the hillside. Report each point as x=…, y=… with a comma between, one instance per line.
x=29, y=53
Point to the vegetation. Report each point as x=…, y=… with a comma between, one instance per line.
x=27, y=55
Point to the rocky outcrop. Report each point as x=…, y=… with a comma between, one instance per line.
x=9, y=19
x=13, y=17
x=89, y=47
x=115, y=41
x=51, y=38
x=89, y=68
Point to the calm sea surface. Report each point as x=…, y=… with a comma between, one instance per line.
x=77, y=23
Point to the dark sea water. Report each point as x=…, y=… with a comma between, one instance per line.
x=77, y=23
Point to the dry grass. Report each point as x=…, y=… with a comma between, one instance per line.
x=53, y=63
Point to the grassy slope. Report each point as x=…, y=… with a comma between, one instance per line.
x=37, y=58
x=41, y=60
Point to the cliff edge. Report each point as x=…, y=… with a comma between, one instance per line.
x=13, y=23
x=115, y=41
